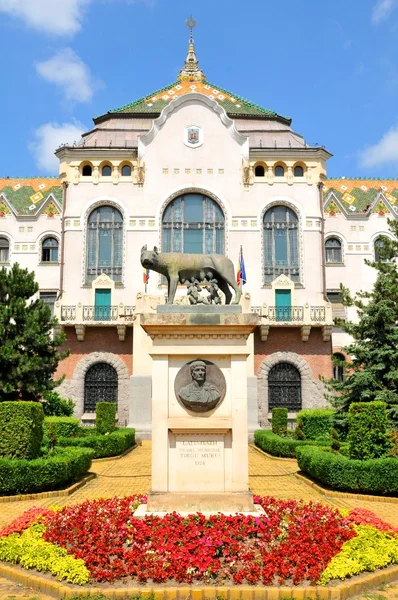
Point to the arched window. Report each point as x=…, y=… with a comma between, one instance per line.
x=259, y=171
x=100, y=385
x=284, y=387
x=126, y=171
x=298, y=171
x=104, y=243
x=87, y=171
x=4, y=250
x=279, y=171
x=281, y=252
x=333, y=251
x=338, y=370
x=106, y=171
x=49, y=250
x=378, y=245
x=193, y=224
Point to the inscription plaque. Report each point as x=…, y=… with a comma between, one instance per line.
x=199, y=463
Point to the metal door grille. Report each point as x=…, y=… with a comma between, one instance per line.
x=100, y=385
x=284, y=387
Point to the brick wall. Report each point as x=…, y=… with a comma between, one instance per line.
x=97, y=339
x=288, y=339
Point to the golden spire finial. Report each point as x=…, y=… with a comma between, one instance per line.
x=191, y=70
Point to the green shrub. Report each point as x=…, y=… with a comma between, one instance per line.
x=63, y=426
x=111, y=444
x=55, y=406
x=334, y=440
x=21, y=429
x=62, y=466
x=56, y=427
x=367, y=434
x=375, y=476
x=316, y=423
x=279, y=420
x=279, y=446
x=105, y=417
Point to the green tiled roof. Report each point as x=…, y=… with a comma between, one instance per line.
x=234, y=105
x=20, y=193
x=358, y=195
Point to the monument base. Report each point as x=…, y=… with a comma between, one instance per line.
x=206, y=502
x=142, y=512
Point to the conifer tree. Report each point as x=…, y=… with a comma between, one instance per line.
x=372, y=372
x=28, y=352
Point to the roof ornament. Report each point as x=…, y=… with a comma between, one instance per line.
x=191, y=70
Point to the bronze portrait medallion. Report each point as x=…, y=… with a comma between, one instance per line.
x=200, y=385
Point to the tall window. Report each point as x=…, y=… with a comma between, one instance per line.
x=193, y=224
x=259, y=171
x=298, y=171
x=106, y=171
x=338, y=370
x=284, y=387
x=100, y=385
x=4, y=250
x=281, y=252
x=49, y=298
x=126, y=171
x=279, y=171
x=378, y=245
x=104, y=243
x=87, y=171
x=333, y=251
x=49, y=250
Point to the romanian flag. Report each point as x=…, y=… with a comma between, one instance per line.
x=241, y=275
x=146, y=276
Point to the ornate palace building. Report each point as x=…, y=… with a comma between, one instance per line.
x=194, y=168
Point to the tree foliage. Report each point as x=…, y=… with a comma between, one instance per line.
x=372, y=371
x=29, y=352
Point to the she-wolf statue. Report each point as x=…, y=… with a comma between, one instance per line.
x=176, y=266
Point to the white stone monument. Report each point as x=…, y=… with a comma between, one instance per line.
x=199, y=409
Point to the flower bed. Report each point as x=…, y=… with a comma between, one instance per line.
x=100, y=541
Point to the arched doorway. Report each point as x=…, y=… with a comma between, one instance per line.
x=100, y=385
x=284, y=387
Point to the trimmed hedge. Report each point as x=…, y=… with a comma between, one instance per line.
x=375, y=476
x=105, y=445
x=60, y=467
x=315, y=423
x=105, y=417
x=61, y=426
x=367, y=432
x=21, y=429
x=277, y=445
x=279, y=420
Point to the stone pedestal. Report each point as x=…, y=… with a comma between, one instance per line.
x=199, y=459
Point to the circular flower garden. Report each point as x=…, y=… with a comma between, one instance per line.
x=294, y=542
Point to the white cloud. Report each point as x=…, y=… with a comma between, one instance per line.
x=45, y=15
x=382, y=9
x=384, y=152
x=71, y=74
x=48, y=138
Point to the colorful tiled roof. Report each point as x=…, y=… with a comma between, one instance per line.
x=26, y=196
x=358, y=195
x=235, y=106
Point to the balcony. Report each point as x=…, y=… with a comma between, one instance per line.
x=82, y=315
x=304, y=317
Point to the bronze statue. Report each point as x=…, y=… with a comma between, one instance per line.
x=199, y=395
x=193, y=289
x=176, y=266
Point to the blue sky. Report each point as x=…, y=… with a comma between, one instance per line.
x=330, y=65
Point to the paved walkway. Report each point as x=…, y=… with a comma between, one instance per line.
x=132, y=475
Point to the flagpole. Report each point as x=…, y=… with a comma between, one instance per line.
x=240, y=262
